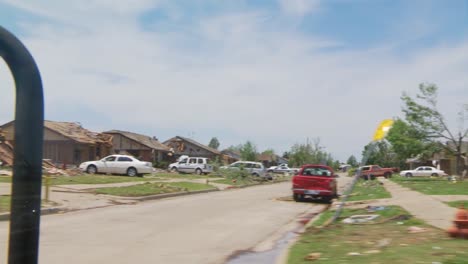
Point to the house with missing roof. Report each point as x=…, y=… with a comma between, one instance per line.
x=67, y=143
x=186, y=146
x=143, y=147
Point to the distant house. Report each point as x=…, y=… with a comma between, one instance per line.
x=186, y=146
x=140, y=146
x=447, y=161
x=67, y=143
x=230, y=156
x=271, y=159
x=443, y=160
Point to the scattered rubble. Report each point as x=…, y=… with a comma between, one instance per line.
x=415, y=229
x=313, y=256
x=355, y=219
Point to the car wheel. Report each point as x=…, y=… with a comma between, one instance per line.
x=387, y=175
x=198, y=171
x=409, y=174
x=298, y=197
x=434, y=174
x=255, y=174
x=174, y=169
x=270, y=171
x=327, y=199
x=91, y=169
x=132, y=172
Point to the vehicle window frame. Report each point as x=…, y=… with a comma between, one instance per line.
x=126, y=159
x=110, y=159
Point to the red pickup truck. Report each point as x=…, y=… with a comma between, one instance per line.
x=372, y=171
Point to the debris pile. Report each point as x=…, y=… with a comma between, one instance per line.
x=6, y=159
x=6, y=153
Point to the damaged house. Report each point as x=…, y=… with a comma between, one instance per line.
x=67, y=143
x=186, y=146
x=140, y=146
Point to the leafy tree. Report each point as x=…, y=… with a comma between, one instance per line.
x=270, y=152
x=408, y=142
x=286, y=154
x=214, y=143
x=309, y=153
x=352, y=161
x=236, y=148
x=423, y=115
x=379, y=153
x=336, y=165
x=248, y=151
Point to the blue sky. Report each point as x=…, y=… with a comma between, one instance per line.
x=274, y=72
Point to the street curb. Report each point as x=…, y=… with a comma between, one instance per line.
x=55, y=210
x=233, y=187
x=164, y=195
x=283, y=257
x=45, y=211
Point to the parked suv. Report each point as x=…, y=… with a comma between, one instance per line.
x=198, y=165
x=254, y=168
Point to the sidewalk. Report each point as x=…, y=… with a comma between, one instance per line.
x=425, y=207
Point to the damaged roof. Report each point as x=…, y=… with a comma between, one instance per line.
x=142, y=139
x=77, y=133
x=179, y=138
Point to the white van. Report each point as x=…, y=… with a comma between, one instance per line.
x=197, y=165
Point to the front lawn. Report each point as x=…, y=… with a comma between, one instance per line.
x=186, y=176
x=368, y=190
x=5, y=178
x=5, y=203
x=150, y=188
x=433, y=186
x=386, y=240
x=88, y=179
x=457, y=204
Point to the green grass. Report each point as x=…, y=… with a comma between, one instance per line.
x=97, y=179
x=336, y=241
x=4, y=178
x=187, y=176
x=90, y=179
x=5, y=203
x=150, y=188
x=457, y=204
x=368, y=190
x=433, y=186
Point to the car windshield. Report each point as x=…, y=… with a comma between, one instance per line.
x=210, y=131
x=314, y=171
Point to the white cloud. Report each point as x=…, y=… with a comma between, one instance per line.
x=298, y=7
x=231, y=74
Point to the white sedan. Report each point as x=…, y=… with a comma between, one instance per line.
x=117, y=164
x=423, y=171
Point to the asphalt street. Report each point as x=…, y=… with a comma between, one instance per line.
x=204, y=228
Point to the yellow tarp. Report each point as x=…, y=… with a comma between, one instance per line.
x=382, y=130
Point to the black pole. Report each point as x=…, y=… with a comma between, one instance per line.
x=27, y=164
